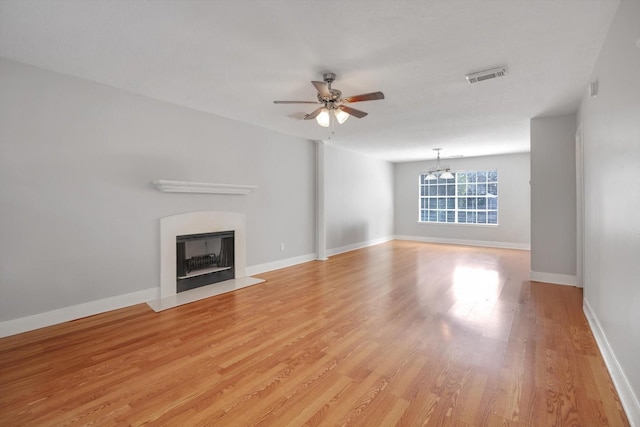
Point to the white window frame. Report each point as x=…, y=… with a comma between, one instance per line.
x=434, y=198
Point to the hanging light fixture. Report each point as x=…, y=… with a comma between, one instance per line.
x=444, y=171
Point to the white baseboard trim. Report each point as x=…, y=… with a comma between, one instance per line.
x=41, y=320
x=359, y=245
x=556, y=279
x=482, y=243
x=628, y=399
x=276, y=265
x=36, y=321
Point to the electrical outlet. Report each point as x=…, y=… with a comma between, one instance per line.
x=281, y=247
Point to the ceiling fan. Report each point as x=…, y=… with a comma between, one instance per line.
x=333, y=102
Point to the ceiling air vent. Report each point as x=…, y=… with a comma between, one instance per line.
x=487, y=74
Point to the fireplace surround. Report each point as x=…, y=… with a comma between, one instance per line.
x=194, y=223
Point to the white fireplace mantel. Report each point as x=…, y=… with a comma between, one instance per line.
x=170, y=186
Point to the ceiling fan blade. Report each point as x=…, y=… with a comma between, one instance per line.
x=314, y=114
x=296, y=102
x=322, y=88
x=364, y=97
x=353, y=112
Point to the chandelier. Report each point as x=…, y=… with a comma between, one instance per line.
x=444, y=171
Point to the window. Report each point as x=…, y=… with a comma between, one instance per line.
x=470, y=197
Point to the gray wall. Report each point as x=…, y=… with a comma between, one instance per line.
x=513, y=203
x=359, y=199
x=553, y=195
x=79, y=220
x=611, y=129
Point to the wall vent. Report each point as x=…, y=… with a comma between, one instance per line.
x=487, y=74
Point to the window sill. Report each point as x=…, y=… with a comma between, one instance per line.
x=459, y=224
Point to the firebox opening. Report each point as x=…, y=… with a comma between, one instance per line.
x=203, y=259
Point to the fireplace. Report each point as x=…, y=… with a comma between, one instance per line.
x=198, y=225
x=204, y=259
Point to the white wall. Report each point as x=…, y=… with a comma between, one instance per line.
x=359, y=199
x=79, y=219
x=611, y=129
x=513, y=203
x=553, y=199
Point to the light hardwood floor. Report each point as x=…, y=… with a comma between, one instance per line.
x=401, y=333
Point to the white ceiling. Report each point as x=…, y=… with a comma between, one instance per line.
x=233, y=58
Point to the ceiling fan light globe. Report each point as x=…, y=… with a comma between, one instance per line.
x=430, y=177
x=341, y=116
x=323, y=118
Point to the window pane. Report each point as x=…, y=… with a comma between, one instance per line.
x=471, y=190
x=471, y=217
x=442, y=216
x=482, y=217
x=481, y=176
x=462, y=190
x=423, y=215
x=433, y=190
x=442, y=203
x=492, y=189
x=462, y=203
x=492, y=203
x=451, y=189
x=471, y=202
x=423, y=203
x=471, y=176
x=462, y=217
x=442, y=190
x=433, y=216
x=492, y=176
x=451, y=216
x=423, y=190
x=433, y=203
x=462, y=177
x=482, y=203
x=492, y=217
x=482, y=189
x=451, y=202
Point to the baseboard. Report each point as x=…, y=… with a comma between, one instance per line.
x=464, y=242
x=556, y=279
x=36, y=321
x=41, y=320
x=628, y=399
x=29, y=323
x=276, y=265
x=359, y=245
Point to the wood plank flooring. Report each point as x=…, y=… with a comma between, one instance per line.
x=402, y=333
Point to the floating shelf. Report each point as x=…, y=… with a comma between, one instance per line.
x=169, y=186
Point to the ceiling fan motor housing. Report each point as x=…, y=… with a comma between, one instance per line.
x=329, y=77
x=335, y=97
